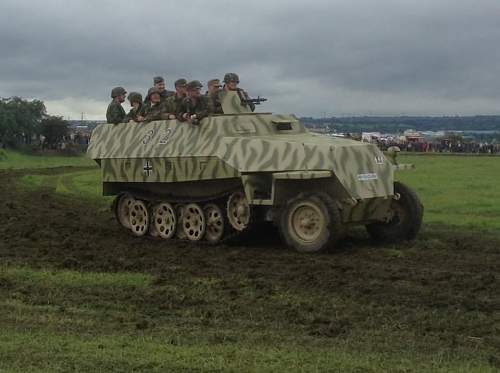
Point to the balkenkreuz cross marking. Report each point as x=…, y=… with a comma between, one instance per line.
x=148, y=168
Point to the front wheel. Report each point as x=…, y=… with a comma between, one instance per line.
x=310, y=222
x=407, y=212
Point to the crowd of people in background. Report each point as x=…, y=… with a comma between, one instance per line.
x=186, y=103
x=444, y=146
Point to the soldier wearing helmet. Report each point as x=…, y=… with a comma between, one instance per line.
x=173, y=102
x=194, y=107
x=115, y=113
x=214, y=96
x=231, y=81
x=159, y=83
x=136, y=113
x=156, y=110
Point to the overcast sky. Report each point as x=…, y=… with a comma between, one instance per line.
x=314, y=58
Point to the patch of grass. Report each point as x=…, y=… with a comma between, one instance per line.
x=456, y=190
x=32, y=351
x=60, y=320
x=27, y=277
x=11, y=159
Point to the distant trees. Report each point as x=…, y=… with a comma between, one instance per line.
x=54, y=129
x=19, y=120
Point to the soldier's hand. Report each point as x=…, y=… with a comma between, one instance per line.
x=171, y=116
x=140, y=118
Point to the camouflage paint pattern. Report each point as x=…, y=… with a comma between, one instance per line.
x=260, y=149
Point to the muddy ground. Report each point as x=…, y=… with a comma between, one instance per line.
x=441, y=291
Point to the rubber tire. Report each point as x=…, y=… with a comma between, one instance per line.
x=332, y=231
x=400, y=231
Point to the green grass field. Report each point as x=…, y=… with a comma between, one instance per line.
x=457, y=190
x=79, y=295
x=14, y=160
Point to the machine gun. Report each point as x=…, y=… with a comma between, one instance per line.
x=252, y=101
x=247, y=101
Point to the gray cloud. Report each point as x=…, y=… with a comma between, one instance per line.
x=334, y=57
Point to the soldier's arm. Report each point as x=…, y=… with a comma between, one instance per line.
x=182, y=111
x=153, y=115
x=202, y=109
x=168, y=109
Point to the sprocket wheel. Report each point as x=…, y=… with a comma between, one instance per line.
x=164, y=220
x=139, y=218
x=238, y=211
x=214, y=222
x=193, y=222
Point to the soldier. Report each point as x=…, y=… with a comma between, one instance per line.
x=213, y=94
x=137, y=112
x=115, y=113
x=174, y=101
x=194, y=107
x=159, y=83
x=231, y=81
x=156, y=109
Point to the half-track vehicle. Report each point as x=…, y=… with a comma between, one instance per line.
x=213, y=180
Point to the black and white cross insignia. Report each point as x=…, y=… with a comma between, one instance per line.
x=148, y=168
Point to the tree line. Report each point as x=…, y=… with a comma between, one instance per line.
x=24, y=121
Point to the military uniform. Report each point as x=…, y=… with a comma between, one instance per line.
x=155, y=112
x=234, y=78
x=214, y=103
x=115, y=113
x=164, y=95
x=134, y=113
x=173, y=103
x=191, y=106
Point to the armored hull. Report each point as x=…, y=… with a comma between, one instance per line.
x=246, y=167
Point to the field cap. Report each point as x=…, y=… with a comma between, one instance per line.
x=158, y=79
x=180, y=82
x=212, y=82
x=194, y=84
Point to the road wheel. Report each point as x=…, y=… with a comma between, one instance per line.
x=311, y=222
x=164, y=220
x=121, y=208
x=238, y=211
x=139, y=218
x=179, y=231
x=406, y=220
x=215, y=222
x=193, y=222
